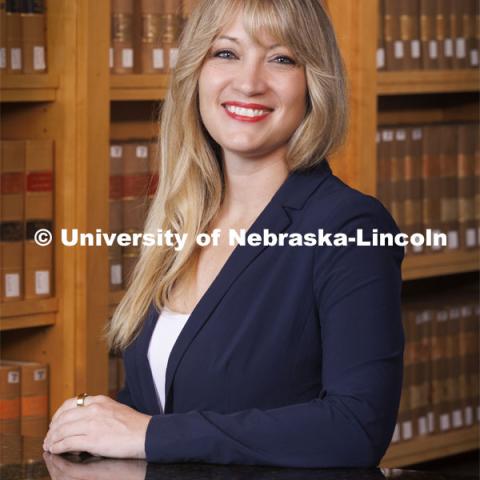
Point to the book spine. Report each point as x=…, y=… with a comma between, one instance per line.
x=152, y=58
x=413, y=186
x=423, y=320
x=38, y=260
x=386, y=152
x=12, y=219
x=476, y=156
x=136, y=176
x=122, y=36
x=428, y=36
x=453, y=349
x=381, y=65
x=398, y=172
x=466, y=186
x=443, y=34
x=116, y=214
x=34, y=399
x=413, y=31
x=466, y=313
x=33, y=37
x=459, y=21
x=405, y=416
x=3, y=36
x=431, y=182
x=171, y=28
x=448, y=185
x=9, y=399
x=14, y=36
x=470, y=37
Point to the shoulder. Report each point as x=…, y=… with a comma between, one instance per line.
x=336, y=205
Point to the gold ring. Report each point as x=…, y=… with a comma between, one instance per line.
x=81, y=399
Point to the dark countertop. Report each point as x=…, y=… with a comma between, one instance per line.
x=38, y=465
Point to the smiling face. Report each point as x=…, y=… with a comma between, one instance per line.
x=252, y=96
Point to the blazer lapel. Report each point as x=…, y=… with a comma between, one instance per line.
x=275, y=217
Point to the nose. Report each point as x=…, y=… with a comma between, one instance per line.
x=250, y=79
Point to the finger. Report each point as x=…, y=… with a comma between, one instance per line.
x=71, y=415
x=66, y=405
x=70, y=444
x=65, y=430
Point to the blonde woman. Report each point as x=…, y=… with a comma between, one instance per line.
x=257, y=354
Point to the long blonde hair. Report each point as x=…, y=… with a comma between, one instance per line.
x=191, y=186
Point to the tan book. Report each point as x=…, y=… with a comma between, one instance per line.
x=413, y=221
x=476, y=150
x=14, y=36
x=38, y=260
x=10, y=450
x=459, y=26
x=385, y=167
x=394, y=45
x=172, y=27
x=9, y=399
x=431, y=183
x=471, y=26
x=116, y=214
x=410, y=34
x=3, y=36
x=381, y=65
x=405, y=410
x=444, y=35
x=136, y=177
x=466, y=185
x=151, y=55
x=33, y=37
x=449, y=185
x=34, y=397
x=397, y=176
x=428, y=34
x=12, y=160
x=122, y=36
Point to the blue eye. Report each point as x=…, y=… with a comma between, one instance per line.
x=225, y=54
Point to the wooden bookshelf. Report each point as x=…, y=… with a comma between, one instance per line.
x=436, y=81
x=440, y=263
x=29, y=88
x=138, y=87
x=431, y=447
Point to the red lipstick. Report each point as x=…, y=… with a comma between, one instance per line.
x=253, y=106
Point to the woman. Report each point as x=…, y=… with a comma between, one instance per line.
x=288, y=356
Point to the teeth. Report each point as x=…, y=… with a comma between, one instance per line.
x=246, y=112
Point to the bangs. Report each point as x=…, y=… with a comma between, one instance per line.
x=260, y=17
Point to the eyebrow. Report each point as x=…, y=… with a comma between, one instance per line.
x=233, y=39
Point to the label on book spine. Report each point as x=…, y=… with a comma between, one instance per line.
x=158, y=60
x=39, y=58
x=16, y=58
x=116, y=274
x=460, y=49
x=173, y=57
x=3, y=58
x=42, y=282
x=433, y=49
x=12, y=285
x=415, y=48
x=474, y=58
x=448, y=46
x=127, y=58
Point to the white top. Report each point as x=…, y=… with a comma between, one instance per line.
x=168, y=328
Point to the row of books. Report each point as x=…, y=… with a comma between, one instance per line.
x=145, y=34
x=428, y=178
x=24, y=400
x=428, y=34
x=133, y=182
x=22, y=36
x=26, y=210
x=441, y=365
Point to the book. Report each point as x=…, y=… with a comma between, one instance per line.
x=122, y=52
x=151, y=54
x=12, y=187
x=14, y=36
x=33, y=36
x=39, y=208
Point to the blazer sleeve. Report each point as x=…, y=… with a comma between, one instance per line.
x=350, y=423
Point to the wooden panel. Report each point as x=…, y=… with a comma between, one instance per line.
x=441, y=263
x=431, y=447
x=134, y=120
x=138, y=87
x=38, y=320
x=443, y=81
x=356, y=32
x=28, y=88
x=28, y=307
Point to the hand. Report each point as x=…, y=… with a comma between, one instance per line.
x=102, y=427
x=62, y=469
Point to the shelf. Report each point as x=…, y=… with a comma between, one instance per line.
x=28, y=88
x=431, y=447
x=441, y=263
x=436, y=81
x=28, y=313
x=139, y=87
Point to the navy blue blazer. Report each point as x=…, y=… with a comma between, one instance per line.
x=293, y=357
